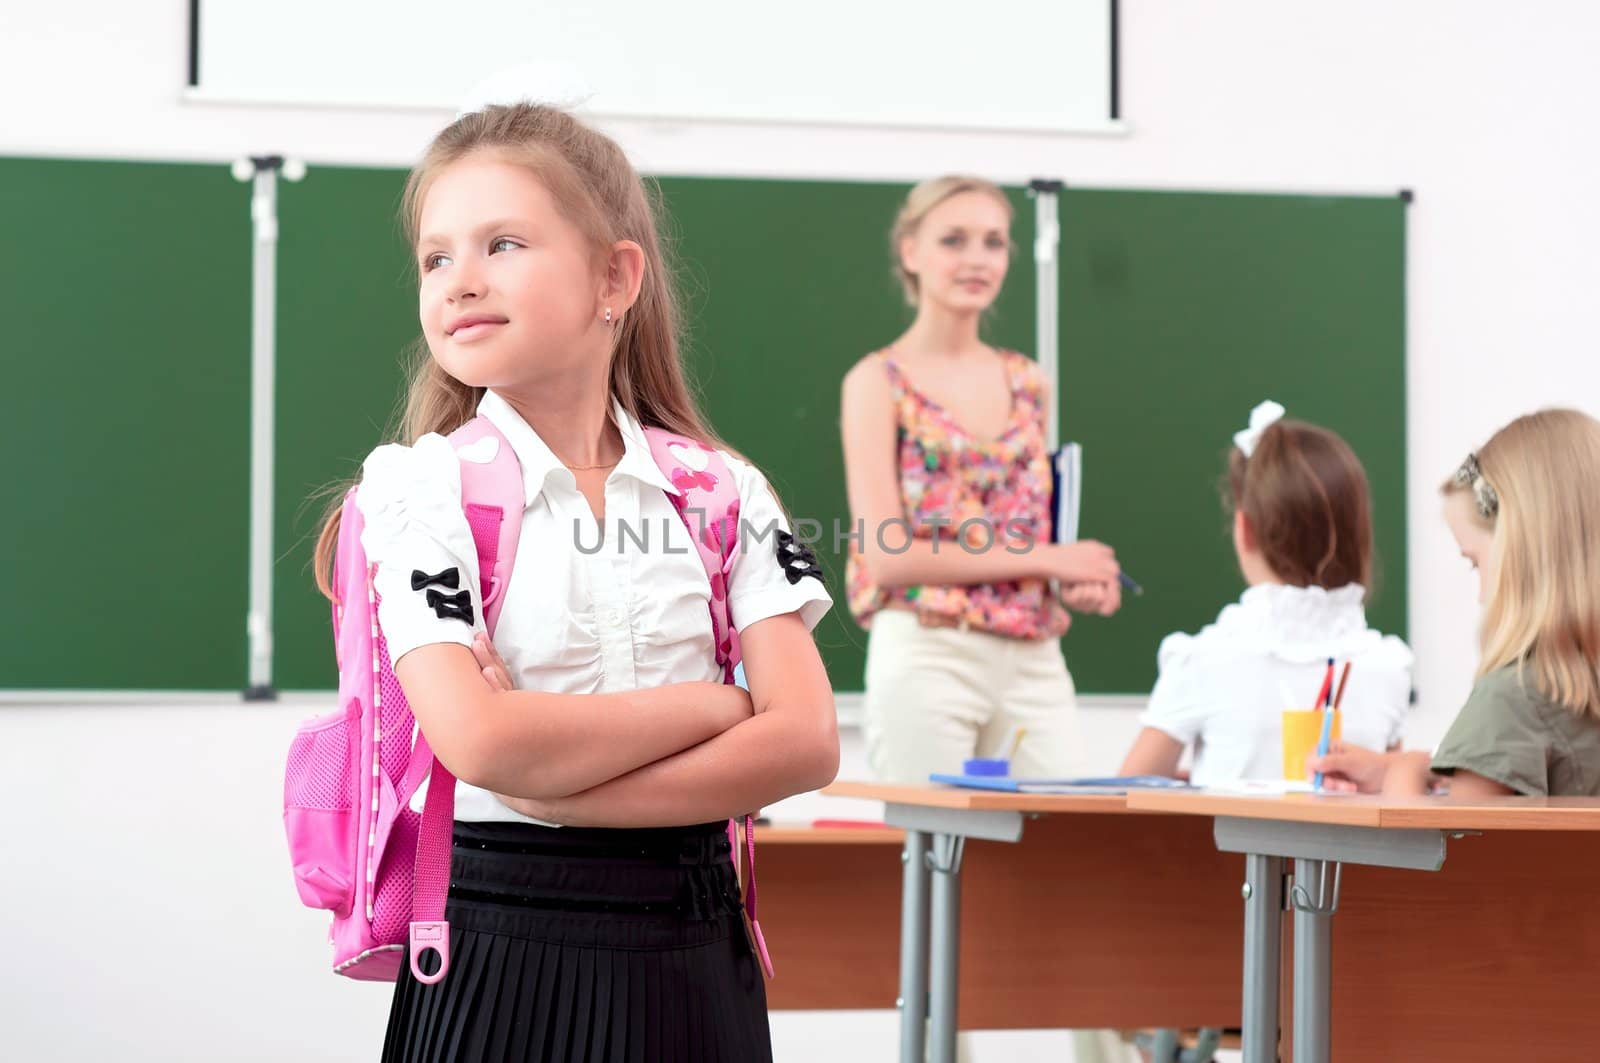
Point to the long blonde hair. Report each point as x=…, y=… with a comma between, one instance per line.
x=1535, y=485
x=919, y=201
x=597, y=189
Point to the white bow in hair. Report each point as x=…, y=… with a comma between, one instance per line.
x=1263, y=417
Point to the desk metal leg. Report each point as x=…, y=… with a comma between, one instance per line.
x=913, y=1002
x=930, y=918
x=1319, y=851
x=1314, y=904
x=945, y=936
x=1263, y=940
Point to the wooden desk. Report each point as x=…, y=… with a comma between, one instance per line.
x=806, y=834
x=1102, y=917
x=829, y=900
x=1370, y=810
x=1491, y=958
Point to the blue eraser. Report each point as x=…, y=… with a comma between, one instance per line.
x=986, y=766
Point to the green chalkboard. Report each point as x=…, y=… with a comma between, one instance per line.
x=1179, y=313
x=347, y=319
x=124, y=425
x=127, y=418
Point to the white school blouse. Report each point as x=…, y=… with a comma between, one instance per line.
x=1223, y=690
x=632, y=614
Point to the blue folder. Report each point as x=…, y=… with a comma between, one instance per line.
x=1114, y=784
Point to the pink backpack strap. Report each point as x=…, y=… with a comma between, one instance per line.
x=708, y=502
x=492, y=498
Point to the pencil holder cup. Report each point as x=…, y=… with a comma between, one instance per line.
x=1302, y=730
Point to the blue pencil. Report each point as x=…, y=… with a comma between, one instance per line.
x=1327, y=725
x=1128, y=584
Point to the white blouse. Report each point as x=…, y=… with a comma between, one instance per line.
x=583, y=613
x=1223, y=690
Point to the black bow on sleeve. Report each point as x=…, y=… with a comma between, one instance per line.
x=450, y=577
x=797, y=559
x=456, y=606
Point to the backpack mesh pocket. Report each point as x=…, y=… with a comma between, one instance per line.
x=319, y=808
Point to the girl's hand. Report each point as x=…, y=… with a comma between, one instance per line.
x=1100, y=599
x=490, y=663
x=1085, y=561
x=732, y=704
x=1350, y=769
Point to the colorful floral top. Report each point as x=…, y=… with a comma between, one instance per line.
x=995, y=494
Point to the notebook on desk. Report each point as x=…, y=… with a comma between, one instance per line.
x=1117, y=784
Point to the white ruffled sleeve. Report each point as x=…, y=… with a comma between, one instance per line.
x=410, y=501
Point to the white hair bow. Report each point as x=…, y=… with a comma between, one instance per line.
x=1263, y=417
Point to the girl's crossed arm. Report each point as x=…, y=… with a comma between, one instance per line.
x=789, y=746
x=537, y=744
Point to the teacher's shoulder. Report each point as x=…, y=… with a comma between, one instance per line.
x=867, y=383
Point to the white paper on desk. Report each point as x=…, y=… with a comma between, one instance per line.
x=1265, y=786
x=1271, y=787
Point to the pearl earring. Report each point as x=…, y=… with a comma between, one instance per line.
x=608, y=315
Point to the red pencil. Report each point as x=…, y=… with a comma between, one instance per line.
x=1326, y=687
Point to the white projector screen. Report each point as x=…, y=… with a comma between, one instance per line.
x=1046, y=65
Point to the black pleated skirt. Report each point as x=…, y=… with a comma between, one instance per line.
x=588, y=946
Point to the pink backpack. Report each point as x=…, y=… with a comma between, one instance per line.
x=358, y=848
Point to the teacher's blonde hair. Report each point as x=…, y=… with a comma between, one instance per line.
x=1542, y=607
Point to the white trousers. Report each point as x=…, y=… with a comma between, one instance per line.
x=938, y=695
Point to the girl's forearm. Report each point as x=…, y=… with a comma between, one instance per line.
x=762, y=760
x=1407, y=774
x=537, y=744
x=561, y=744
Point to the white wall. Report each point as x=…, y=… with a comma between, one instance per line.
x=1483, y=108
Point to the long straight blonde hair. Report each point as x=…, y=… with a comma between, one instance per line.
x=1542, y=504
x=597, y=189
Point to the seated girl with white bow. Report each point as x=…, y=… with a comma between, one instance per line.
x=1302, y=530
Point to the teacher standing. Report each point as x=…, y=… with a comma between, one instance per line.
x=948, y=474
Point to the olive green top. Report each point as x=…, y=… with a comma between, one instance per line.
x=1510, y=732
